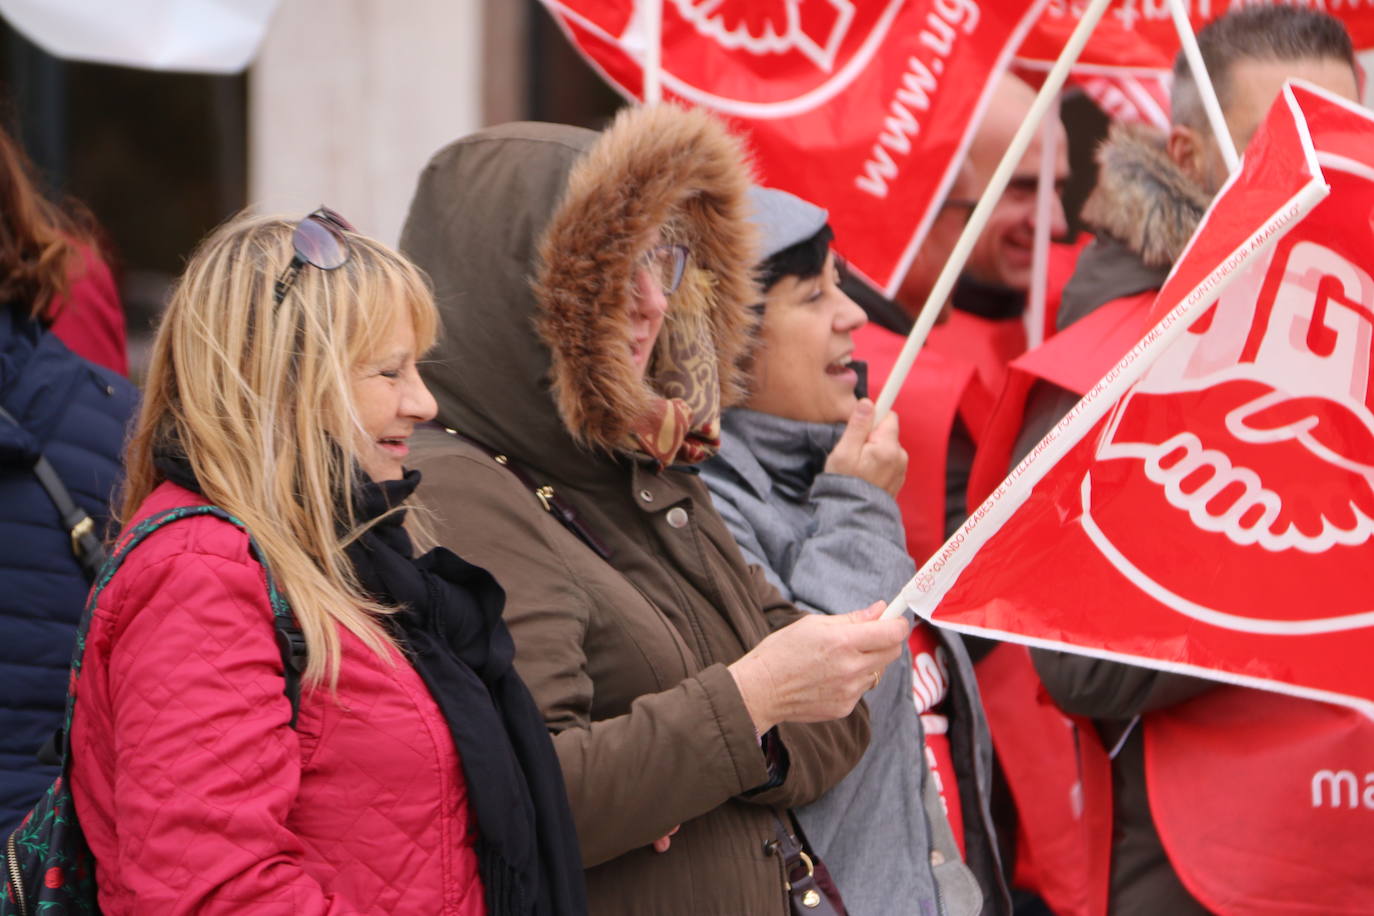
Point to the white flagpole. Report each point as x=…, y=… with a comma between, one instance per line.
x=653, y=51
x=1049, y=92
x=1205, y=89
x=1045, y=193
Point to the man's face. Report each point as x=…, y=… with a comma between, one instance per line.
x=931, y=257
x=1253, y=87
x=1002, y=254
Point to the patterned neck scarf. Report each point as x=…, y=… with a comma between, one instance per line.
x=683, y=425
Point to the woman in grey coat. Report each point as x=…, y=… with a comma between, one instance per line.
x=806, y=484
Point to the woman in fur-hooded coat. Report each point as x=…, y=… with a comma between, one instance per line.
x=626, y=618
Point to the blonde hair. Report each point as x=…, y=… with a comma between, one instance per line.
x=258, y=396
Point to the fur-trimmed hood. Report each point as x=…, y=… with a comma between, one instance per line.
x=531, y=232
x=1144, y=210
x=1143, y=199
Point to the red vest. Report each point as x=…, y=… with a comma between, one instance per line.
x=1061, y=781
x=938, y=389
x=1264, y=802
x=1076, y=358
x=990, y=345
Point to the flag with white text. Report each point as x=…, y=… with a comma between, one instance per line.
x=1209, y=507
x=1125, y=66
x=863, y=106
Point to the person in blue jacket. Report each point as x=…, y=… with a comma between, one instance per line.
x=59, y=406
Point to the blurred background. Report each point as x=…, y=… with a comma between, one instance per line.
x=343, y=103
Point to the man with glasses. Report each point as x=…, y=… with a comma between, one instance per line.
x=985, y=323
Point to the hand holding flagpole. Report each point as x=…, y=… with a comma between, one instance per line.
x=1049, y=92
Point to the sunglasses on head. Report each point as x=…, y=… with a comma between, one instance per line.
x=318, y=241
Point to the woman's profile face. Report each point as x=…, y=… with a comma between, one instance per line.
x=801, y=368
x=647, y=308
x=390, y=399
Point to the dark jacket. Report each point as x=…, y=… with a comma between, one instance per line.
x=74, y=412
x=1144, y=210
x=626, y=654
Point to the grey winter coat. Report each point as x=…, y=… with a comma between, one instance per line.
x=833, y=543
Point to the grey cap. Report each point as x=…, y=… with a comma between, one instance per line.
x=783, y=219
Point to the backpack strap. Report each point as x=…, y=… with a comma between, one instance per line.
x=290, y=640
x=86, y=546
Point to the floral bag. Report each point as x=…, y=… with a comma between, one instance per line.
x=48, y=868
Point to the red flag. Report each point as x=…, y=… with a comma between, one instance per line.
x=863, y=106
x=1138, y=35
x=1209, y=507
x=1126, y=66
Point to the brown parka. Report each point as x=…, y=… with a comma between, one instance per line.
x=625, y=654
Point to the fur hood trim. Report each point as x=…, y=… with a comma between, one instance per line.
x=666, y=167
x=1143, y=199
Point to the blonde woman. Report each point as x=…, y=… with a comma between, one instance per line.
x=410, y=773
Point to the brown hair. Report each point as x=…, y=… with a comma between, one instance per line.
x=1268, y=33
x=40, y=242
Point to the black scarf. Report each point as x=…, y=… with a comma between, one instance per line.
x=987, y=300
x=451, y=629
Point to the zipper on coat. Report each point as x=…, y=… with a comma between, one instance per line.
x=21, y=896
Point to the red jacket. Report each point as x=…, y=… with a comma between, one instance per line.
x=198, y=796
x=90, y=319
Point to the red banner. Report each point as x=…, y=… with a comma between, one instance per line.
x=1139, y=34
x=862, y=106
x=1125, y=67
x=1209, y=507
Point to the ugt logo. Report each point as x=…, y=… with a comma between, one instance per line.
x=815, y=29
x=1235, y=483
x=760, y=58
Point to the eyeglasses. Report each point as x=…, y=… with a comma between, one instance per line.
x=318, y=241
x=667, y=263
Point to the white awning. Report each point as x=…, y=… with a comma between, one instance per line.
x=206, y=36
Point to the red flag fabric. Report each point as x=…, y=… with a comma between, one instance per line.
x=1209, y=507
x=1125, y=67
x=1138, y=35
x=1232, y=771
x=863, y=106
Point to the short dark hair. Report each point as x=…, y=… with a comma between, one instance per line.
x=804, y=260
x=1278, y=32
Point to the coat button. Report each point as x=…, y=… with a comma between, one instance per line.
x=646, y=496
x=937, y=857
x=677, y=517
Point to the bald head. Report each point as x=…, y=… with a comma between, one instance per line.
x=1002, y=255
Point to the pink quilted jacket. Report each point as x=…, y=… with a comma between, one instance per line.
x=196, y=794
